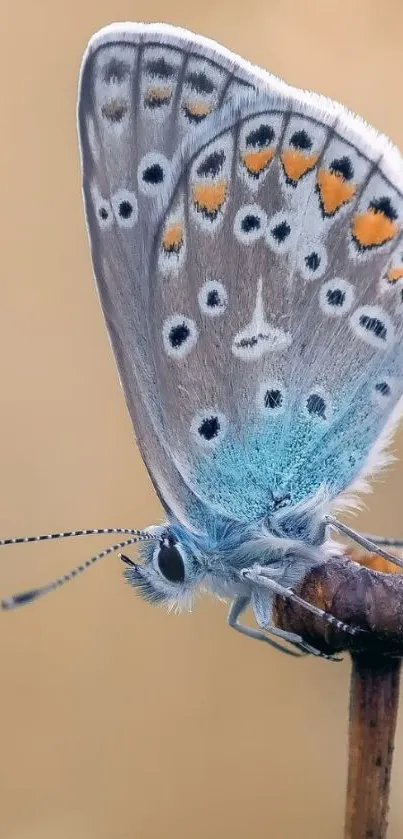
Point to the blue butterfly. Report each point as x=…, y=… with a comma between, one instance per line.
x=246, y=240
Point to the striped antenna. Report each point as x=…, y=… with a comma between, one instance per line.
x=24, y=597
x=43, y=537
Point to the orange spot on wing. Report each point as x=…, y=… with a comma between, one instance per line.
x=197, y=109
x=394, y=274
x=115, y=109
x=172, y=239
x=155, y=96
x=334, y=191
x=256, y=161
x=296, y=164
x=209, y=197
x=373, y=228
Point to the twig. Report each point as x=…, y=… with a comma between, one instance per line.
x=374, y=699
x=372, y=600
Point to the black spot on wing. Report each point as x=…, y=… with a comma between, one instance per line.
x=374, y=325
x=115, y=71
x=209, y=428
x=385, y=206
x=160, y=68
x=199, y=82
x=125, y=209
x=213, y=299
x=260, y=137
x=316, y=406
x=273, y=398
x=383, y=388
x=301, y=140
x=250, y=223
x=153, y=174
x=342, y=166
x=212, y=165
x=178, y=335
x=281, y=231
x=312, y=261
x=335, y=296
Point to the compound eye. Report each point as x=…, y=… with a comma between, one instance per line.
x=170, y=563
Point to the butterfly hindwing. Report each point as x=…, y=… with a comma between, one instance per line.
x=276, y=321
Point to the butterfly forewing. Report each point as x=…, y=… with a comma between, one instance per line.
x=143, y=89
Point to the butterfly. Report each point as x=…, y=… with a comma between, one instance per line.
x=246, y=241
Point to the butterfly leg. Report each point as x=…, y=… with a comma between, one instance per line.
x=364, y=541
x=237, y=607
x=259, y=575
x=299, y=642
x=382, y=540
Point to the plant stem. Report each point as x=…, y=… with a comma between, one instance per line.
x=374, y=699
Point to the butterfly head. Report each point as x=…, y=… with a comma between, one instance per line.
x=172, y=567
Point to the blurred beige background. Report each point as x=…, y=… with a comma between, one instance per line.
x=119, y=720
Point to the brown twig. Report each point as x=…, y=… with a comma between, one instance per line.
x=374, y=699
x=372, y=600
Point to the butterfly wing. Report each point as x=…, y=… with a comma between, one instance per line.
x=276, y=325
x=143, y=88
x=252, y=289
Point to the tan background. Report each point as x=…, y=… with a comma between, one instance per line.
x=119, y=720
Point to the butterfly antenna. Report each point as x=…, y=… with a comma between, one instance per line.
x=43, y=537
x=366, y=541
x=24, y=597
